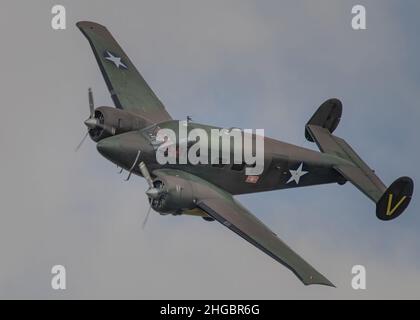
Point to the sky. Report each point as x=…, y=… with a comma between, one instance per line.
x=250, y=64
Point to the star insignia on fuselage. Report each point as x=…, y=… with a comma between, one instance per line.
x=295, y=175
x=114, y=59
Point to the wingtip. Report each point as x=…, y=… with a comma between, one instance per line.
x=89, y=24
x=325, y=284
x=321, y=281
x=329, y=284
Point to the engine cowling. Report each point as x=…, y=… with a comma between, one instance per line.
x=110, y=121
x=173, y=195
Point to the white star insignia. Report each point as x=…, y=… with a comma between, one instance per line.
x=115, y=60
x=296, y=174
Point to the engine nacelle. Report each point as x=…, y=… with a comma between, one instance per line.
x=175, y=195
x=111, y=121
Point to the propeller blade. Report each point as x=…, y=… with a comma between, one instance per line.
x=146, y=218
x=145, y=172
x=133, y=166
x=81, y=142
x=91, y=103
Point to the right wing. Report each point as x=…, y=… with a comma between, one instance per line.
x=128, y=89
x=238, y=219
x=221, y=206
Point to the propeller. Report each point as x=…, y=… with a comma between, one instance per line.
x=81, y=142
x=145, y=172
x=152, y=192
x=147, y=217
x=91, y=122
x=133, y=166
x=91, y=103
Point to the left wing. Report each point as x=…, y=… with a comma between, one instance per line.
x=128, y=89
x=221, y=206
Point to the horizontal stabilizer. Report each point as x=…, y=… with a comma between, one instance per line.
x=357, y=171
x=366, y=181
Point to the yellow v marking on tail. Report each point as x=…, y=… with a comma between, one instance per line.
x=389, y=210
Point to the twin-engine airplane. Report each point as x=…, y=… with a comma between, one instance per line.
x=126, y=135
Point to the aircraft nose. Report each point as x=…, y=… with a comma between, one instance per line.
x=109, y=148
x=122, y=149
